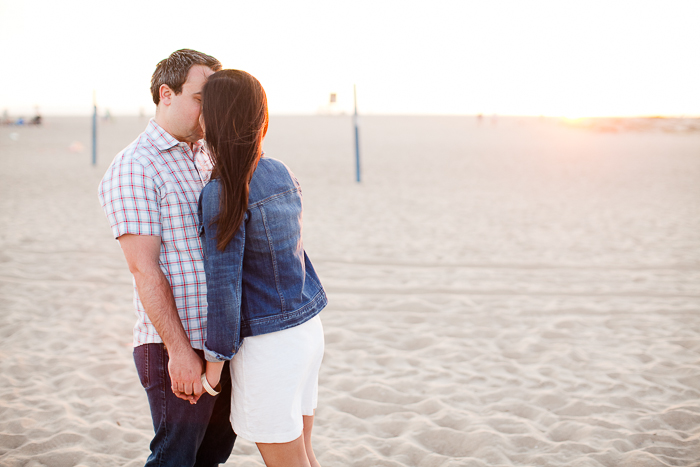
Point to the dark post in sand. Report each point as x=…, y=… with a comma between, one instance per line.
x=94, y=128
x=357, y=138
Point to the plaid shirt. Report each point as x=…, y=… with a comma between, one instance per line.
x=152, y=188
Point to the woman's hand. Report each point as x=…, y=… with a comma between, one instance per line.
x=213, y=375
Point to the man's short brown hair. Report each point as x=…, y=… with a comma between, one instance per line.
x=173, y=70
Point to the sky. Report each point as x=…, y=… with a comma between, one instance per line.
x=556, y=58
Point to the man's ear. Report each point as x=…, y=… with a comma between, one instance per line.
x=166, y=94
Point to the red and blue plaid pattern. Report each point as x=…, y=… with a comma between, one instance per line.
x=152, y=188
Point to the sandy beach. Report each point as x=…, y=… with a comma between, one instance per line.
x=505, y=292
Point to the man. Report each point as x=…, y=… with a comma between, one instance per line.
x=150, y=194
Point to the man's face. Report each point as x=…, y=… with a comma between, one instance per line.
x=186, y=107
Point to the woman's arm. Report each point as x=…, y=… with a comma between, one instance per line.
x=213, y=376
x=213, y=373
x=224, y=284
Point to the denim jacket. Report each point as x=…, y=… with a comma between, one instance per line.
x=263, y=281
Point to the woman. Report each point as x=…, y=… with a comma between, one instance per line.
x=262, y=291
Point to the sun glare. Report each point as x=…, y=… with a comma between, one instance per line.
x=574, y=117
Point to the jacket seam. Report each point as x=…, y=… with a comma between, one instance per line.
x=278, y=288
x=313, y=303
x=239, y=292
x=270, y=198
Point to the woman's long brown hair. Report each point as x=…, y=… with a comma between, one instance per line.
x=234, y=109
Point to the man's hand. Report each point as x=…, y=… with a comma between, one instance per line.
x=186, y=369
x=197, y=395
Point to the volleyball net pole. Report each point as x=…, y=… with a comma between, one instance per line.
x=94, y=128
x=357, y=138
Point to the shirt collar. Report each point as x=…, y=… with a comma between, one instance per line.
x=164, y=140
x=161, y=139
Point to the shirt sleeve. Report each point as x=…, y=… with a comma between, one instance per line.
x=224, y=283
x=130, y=199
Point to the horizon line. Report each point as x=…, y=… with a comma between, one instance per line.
x=386, y=114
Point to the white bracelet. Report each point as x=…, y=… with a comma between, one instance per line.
x=207, y=386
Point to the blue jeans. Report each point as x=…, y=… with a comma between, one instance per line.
x=186, y=435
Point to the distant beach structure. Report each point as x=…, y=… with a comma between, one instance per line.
x=94, y=127
x=332, y=107
x=36, y=120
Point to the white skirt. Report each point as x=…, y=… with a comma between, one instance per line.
x=274, y=381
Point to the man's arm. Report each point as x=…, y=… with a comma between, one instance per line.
x=142, y=254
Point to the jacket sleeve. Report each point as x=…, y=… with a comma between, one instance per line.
x=224, y=284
